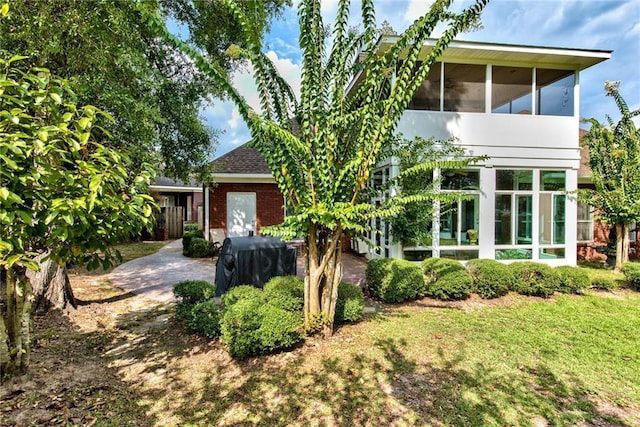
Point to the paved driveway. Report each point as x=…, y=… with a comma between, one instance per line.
x=153, y=276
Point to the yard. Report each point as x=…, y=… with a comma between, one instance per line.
x=119, y=360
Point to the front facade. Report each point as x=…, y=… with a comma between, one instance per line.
x=517, y=105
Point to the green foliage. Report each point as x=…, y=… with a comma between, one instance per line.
x=200, y=248
x=194, y=291
x=250, y=327
x=435, y=268
x=204, y=318
x=285, y=292
x=394, y=280
x=237, y=293
x=186, y=239
x=604, y=283
x=533, y=278
x=453, y=285
x=491, y=279
x=631, y=272
x=192, y=227
x=350, y=303
x=573, y=280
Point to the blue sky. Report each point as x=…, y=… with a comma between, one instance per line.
x=585, y=24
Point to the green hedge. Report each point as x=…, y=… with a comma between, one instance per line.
x=200, y=248
x=194, y=291
x=533, y=278
x=573, y=280
x=241, y=292
x=454, y=285
x=350, y=303
x=204, y=318
x=434, y=268
x=394, y=280
x=491, y=279
x=192, y=227
x=186, y=239
x=631, y=272
x=285, y=292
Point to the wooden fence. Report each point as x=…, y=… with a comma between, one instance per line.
x=169, y=223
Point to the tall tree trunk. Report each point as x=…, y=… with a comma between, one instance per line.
x=16, y=322
x=625, y=242
x=619, y=246
x=51, y=287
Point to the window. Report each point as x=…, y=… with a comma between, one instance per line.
x=514, y=214
x=585, y=223
x=511, y=90
x=551, y=213
x=554, y=92
x=427, y=96
x=379, y=234
x=633, y=232
x=464, y=87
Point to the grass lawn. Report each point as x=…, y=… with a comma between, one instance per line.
x=129, y=251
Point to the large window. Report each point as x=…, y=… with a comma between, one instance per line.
x=427, y=97
x=554, y=92
x=551, y=214
x=464, y=87
x=514, y=214
x=511, y=90
x=380, y=235
x=585, y=223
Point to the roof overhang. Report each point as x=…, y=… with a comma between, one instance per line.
x=174, y=189
x=257, y=178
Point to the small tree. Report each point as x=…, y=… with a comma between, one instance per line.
x=614, y=159
x=63, y=192
x=323, y=147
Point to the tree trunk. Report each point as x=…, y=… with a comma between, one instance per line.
x=619, y=246
x=625, y=242
x=323, y=270
x=51, y=287
x=15, y=349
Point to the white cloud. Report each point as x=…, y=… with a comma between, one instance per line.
x=234, y=121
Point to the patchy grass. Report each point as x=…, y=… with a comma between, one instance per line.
x=129, y=251
x=569, y=360
x=602, y=273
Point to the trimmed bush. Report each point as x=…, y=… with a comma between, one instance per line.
x=573, y=280
x=604, y=283
x=200, y=248
x=394, y=280
x=285, y=292
x=186, y=239
x=250, y=327
x=204, y=318
x=533, y=278
x=237, y=293
x=455, y=285
x=491, y=279
x=194, y=291
x=192, y=227
x=434, y=268
x=350, y=303
x=631, y=272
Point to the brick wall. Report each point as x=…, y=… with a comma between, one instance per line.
x=269, y=204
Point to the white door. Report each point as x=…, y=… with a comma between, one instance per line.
x=241, y=214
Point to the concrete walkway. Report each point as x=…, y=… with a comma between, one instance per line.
x=153, y=276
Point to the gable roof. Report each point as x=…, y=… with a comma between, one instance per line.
x=241, y=160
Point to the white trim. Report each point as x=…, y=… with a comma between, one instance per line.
x=227, y=178
x=207, y=224
x=173, y=189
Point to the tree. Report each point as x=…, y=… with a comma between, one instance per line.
x=322, y=158
x=64, y=192
x=614, y=159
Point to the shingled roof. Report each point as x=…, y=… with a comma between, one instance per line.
x=241, y=160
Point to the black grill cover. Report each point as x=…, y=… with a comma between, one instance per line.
x=253, y=261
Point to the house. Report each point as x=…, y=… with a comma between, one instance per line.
x=244, y=196
x=171, y=194
x=518, y=105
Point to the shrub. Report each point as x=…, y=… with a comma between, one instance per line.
x=238, y=293
x=533, y=278
x=186, y=239
x=434, y=268
x=604, y=283
x=250, y=327
x=192, y=227
x=455, y=285
x=350, y=303
x=200, y=248
x=204, y=318
x=491, y=279
x=632, y=274
x=573, y=280
x=194, y=291
x=285, y=292
x=394, y=280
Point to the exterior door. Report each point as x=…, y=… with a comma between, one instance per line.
x=241, y=214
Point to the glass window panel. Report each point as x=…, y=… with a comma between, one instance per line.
x=633, y=231
x=552, y=253
x=460, y=180
x=554, y=92
x=459, y=255
x=520, y=180
x=418, y=255
x=585, y=212
x=464, y=87
x=449, y=225
x=511, y=91
x=519, y=253
x=427, y=96
x=585, y=232
x=544, y=216
x=524, y=229
x=469, y=221
x=503, y=219
x=552, y=180
x=558, y=218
